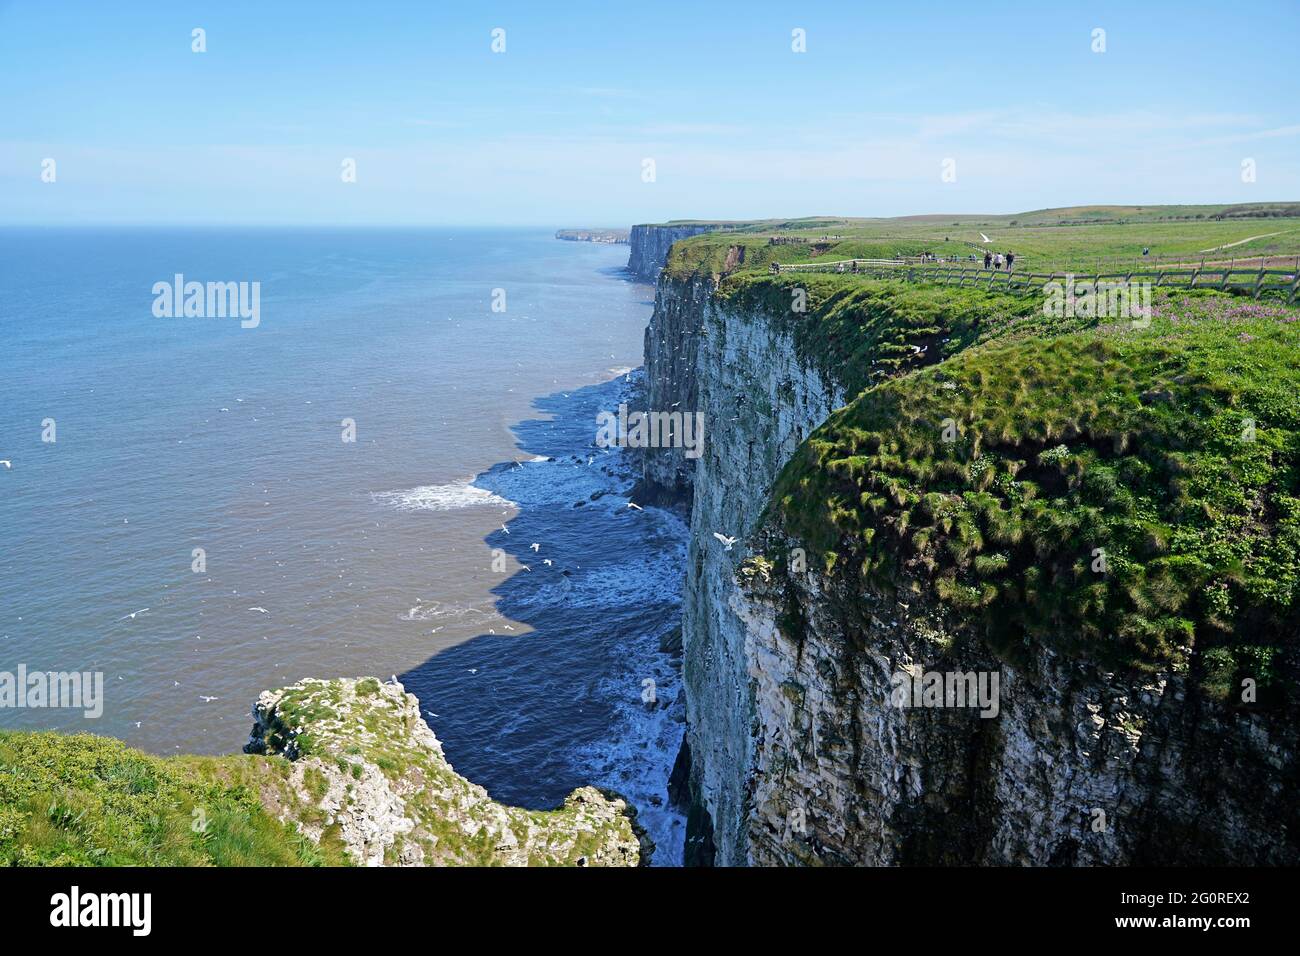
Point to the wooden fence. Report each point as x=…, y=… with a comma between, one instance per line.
x=1253, y=280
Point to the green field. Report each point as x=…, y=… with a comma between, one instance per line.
x=1073, y=239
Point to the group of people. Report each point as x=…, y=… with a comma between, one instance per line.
x=996, y=260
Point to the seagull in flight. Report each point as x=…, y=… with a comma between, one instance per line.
x=431, y=713
x=725, y=540
x=985, y=238
x=206, y=699
x=535, y=546
x=133, y=614
x=7, y=463
x=633, y=504
x=260, y=610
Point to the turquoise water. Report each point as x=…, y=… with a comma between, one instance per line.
x=326, y=557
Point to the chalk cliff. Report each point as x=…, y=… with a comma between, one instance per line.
x=795, y=752
x=650, y=244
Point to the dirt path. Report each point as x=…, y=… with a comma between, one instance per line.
x=1241, y=242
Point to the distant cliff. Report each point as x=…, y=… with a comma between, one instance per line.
x=607, y=236
x=651, y=242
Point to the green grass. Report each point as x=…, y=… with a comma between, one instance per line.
x=1044, y=240
x=859, y=332
x=1129, y=441
x=81, y=800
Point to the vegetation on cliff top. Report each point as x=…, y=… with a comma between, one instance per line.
x=1043, y=240
x=1119, y=493
x=81, y=800
x=859, y=332
x=345, y=771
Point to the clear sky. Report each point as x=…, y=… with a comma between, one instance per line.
x=554, y=131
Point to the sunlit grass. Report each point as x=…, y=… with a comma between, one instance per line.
x=81, y=800
x=1171, y=451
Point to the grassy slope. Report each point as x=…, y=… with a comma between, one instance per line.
x=81, y=800
x=1115, y=438
x=859, y=332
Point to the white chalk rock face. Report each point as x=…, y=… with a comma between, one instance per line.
x=365, y=771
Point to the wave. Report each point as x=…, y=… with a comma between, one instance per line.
x=423, y=611
x=449, y=497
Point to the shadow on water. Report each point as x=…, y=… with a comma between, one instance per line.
x=532, y=716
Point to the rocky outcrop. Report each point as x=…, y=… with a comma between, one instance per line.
x=650, y=243
x=365, y=772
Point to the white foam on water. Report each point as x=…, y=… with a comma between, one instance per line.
x=638, y=757
x=449, y=497
x=424, y=611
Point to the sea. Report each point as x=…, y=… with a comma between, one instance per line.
x=392, y=471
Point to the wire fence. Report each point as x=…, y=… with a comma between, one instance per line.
x=1256, y=280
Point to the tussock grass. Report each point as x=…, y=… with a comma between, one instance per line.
x=1133, y=444
x=82, y=800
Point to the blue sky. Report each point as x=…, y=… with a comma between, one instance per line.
x=554, y=130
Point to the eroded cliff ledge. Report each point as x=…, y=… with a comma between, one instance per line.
x=1123, y=734
x=367, y=772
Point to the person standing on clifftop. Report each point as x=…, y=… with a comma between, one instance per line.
x=988, y=258
x=1011, y=257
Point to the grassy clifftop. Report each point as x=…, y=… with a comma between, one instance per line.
x=340, y=772
x=1128, y=494
x=1068, y=239
x=860, y=332
x=80, y=800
